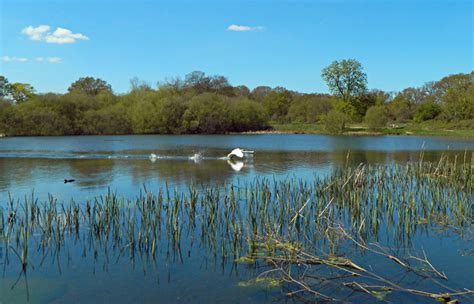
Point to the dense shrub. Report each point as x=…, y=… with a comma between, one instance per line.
x=209, y=104
x=376, y=117
x=427, y=111
x=207, y=113
x=335, y=121
x=247, y=115
x=309, y=108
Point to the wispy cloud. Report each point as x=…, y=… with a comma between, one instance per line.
x=38, y=59
x=54, y=59
x=49, y=59
x=244, y=28
x=13, y=59
x=59, y=36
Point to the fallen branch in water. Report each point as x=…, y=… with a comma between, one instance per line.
x=300, y=269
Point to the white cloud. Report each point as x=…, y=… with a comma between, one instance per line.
x=11, y=59
x=244, y=28
x=49, y=59
x=54, y=59
x=38, y=59
x=36, y=33
x=59, y=36
x=62, y=35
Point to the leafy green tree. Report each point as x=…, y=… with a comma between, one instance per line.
x=15, y=92
x=346, y=79
x=73, y=106
x=458, y=103
x=399, y=109
x=458, y=83
x=309, y=108
x=241, y=91
x=221, y=85
x=209, y=104
x=4, y=105
x=277, y=103
x=139, y=85
x=335, y=121
x=170, y=111
x=427, y=110
x=144, y=113
x=31, y=118
x=366, y=100
x=202, y=83
x=21, y=92
x=260, y=92
x=376, y=117
x=414, y=96
x=5, y=87
x=109, y=120
x=247, y=115
x=90, y=86
x=198, y=81
x=207, y=114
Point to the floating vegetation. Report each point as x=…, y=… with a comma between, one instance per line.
x=306, y=237
x=262, y=282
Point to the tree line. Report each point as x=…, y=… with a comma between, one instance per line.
x=205, y=104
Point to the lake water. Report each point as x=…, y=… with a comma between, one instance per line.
x=123, y=165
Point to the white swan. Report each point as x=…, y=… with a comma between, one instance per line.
x=236, y=165
x=237, y=152
x=153, y=157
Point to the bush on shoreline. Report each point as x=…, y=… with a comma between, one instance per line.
x=202, y=104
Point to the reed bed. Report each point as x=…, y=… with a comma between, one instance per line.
x=288, y=226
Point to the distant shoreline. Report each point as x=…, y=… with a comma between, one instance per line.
x=350, y=132
x=361, y=130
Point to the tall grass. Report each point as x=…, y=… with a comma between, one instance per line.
x=369, y=201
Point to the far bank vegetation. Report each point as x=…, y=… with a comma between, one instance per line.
x=204, y=104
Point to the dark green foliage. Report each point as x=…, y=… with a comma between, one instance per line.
x=458, y=103
x=400, y=110
x=90, y=86
x=450, y=99
x=376, y=117
x=247, y=115
x=207, y=113
x=427, y=111
x=202, y=83
x=366, y=100
x=4, y=105
x=309, y=108
x=335, y=121
x=277, y=103
x=210, y=105
x=260, y=92
x=345, y=79
x=110, y=120
x=142, y=111
x=23, y=120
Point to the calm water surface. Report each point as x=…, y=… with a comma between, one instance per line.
x=122, y=164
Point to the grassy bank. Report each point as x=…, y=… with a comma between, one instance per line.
x=426, y=128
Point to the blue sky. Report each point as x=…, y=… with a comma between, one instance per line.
x=275, y=43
